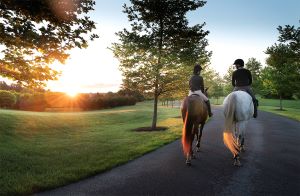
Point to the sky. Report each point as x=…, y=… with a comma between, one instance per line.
x=238, y=29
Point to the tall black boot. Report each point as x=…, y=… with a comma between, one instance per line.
x=255, y=104
x=209, y=108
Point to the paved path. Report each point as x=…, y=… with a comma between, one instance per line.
x=271, y=166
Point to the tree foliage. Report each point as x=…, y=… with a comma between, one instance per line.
x=159, y=43
x=255, y=68
x=7, y=99
x=227, y=80
x=35, y=33
x=282, y=74
x=290, y=35
x=217, y=87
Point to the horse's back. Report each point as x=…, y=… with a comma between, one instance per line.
x=195, y=105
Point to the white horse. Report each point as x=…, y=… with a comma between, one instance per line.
x=238, y=110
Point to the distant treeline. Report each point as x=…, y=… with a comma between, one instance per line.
x=39, y=101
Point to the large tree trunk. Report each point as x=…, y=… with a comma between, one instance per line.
x=156, y=90
x=154, y=119
x=280, y=98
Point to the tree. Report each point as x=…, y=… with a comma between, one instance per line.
x=10, y=87
x=216, y=89
x=35, y=33
x=158, y=45
x=7, y=99
x=227, y=80
x=291, y=36
x=133, y=93
x=255, y=68
x=281, y=76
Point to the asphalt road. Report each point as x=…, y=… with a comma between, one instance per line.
x=271, y=165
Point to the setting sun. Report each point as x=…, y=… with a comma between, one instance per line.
x=71, y=93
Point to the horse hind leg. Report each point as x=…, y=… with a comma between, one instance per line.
x=242, y=147
x=191, y=155
x=188, y=160
x=236, y=161
x=195, y=133
x=242, y=128
x=199, y=137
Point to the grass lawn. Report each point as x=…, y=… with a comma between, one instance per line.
x=44, y=150
x=291, y=108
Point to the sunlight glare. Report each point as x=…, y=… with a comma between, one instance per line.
x=72, y=93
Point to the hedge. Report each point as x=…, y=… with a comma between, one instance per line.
x=7, y=99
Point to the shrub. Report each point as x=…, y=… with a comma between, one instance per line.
x=7, y=99
x=32, y=102
x=99, y=101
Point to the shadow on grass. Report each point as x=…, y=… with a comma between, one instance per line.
x=280, y=110
x=149, y=129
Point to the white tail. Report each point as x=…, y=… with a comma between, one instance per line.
x=229, y=112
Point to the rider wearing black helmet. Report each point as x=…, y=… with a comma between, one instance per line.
x=242, y=80
x=197, y=87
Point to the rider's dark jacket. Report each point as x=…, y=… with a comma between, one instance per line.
x=196, y=83
x=241, y=77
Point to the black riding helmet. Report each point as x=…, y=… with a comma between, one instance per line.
x=239, y=63
x=197, y=69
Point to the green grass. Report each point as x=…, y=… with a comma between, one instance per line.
x=292, y=113
x=291, y=108
x=40, y=151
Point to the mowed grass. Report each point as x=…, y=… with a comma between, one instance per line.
x=39, y=151
x=291, y=108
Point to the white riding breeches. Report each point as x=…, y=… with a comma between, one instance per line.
x=199, y=92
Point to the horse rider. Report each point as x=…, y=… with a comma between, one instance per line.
x=242, y=80
x=196, y=85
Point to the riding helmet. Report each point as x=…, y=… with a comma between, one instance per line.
x=239, y=62
x=197, y=69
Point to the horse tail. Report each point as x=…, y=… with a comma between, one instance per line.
x=229, y=112
x=187, y=132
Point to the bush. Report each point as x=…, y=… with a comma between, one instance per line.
x=131, y=93
x=32, y=102
x=7, y=99
x=99, y=101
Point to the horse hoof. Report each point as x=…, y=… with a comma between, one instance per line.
x=242, y=149
x=237, y=163
x=188, y=163
x=188, y=160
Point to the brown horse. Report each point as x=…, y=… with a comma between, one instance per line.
x=194, y=114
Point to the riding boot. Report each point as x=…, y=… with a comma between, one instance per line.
x=210, y=114
x=255, y=104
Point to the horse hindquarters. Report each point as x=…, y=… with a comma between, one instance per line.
x=241, y=129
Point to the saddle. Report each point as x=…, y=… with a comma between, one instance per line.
x=194, y=97
x=244, y=91
x=255, y=101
